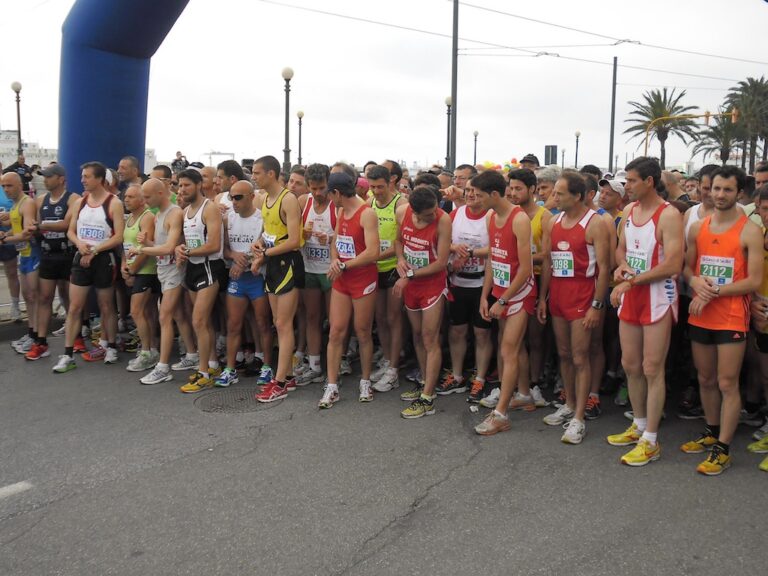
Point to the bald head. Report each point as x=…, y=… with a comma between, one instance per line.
x=242, y=197
x=155, y=193
x=12, y=184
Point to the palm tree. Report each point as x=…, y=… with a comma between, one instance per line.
x=750, y=96
x=719, y=139
x=661, y=104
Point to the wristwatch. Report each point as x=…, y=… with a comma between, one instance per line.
x=502, y=301
x=186, y=251
x=409, y=274
x=342, y=266
x=717, y=289
x=598, y=304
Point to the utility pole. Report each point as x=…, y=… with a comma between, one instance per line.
x=454, y=82
x=613, y=116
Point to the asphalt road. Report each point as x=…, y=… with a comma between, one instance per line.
x=100, y=475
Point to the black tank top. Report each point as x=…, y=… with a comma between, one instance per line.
x=54, y=242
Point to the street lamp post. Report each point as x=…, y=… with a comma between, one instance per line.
x=562, y=159
x=300, y=115
x=448, y=104
x=287, y=75
x=16, y=87
x=576, y=162
x=474, y=156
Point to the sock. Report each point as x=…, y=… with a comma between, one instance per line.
x=363, y=380
x=650, y=437
x=481, y=380
x=69, y=351
x=203, y=374
x=714, y=430
x=162, y=367
x=113, y=345
x=752, y=407
x=31, y=332
x=260, y=356
x=724, y=447
x=193, y=356
x=333, y=386
x=15, y=301
x=428, y=398
x=103, y=343
x=42, y=340
x=213, y=364
x=458, y=377
x=314, y=362
x=281, y=383
x=499, y=414
x=641, y=424
x=239, y=356
x=593, y=395
x=298, y=355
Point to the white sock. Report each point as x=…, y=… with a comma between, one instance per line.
x=213, y=364
x=364, y=381
x=333, y=386
x=103, y=343
x=593, y=395
x=193, y=356
x=259, y=355
x=163, y=367
x=650, y=437
x=499, y=414
x=298, y=355
x=481, y=380
x=641, y=424
x=314, y=362
x=458, y=377
x=15, y=301
x=239, y=356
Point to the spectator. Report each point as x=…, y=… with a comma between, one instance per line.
x=24, y=171
x=180, y=163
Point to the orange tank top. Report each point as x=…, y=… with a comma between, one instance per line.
x=720, y=257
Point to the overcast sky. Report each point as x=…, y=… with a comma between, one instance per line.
x=374, y=92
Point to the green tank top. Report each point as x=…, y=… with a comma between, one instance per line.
x=129, y=240
x=387, y=232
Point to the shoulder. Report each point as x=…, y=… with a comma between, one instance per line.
x=289, y=201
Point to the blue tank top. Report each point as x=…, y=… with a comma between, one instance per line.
x=5, y=206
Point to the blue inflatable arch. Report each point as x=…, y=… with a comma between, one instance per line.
x=106, y=48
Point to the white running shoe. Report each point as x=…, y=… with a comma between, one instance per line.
x=538, y=397
x=366, y=394
x=559, y=417
x=492, y=399
x=23, y=344
x=761, y=432
x=186, y=363
x=309, y=376
x=64, y=364
x=389, y=381
x=574, y=432
x=381, y=368
x=330, y=397
x=111, y=356
x=344, y=367
x=157, y=376
x=144, y=361
x=60, y=332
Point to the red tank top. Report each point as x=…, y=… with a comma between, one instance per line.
x=571, y=255
x=420, y=246
x=350, y=240
x=721, y=258
x=504, y=256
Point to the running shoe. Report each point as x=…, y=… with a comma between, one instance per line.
x=716, y=463
x=23, y=344
x=366, y=394
x=411, y=395
x=754, y=419
x=378, y=356
x=558, y=417
x=330, y=397
x=622, y=396
x=538, y=397
x=761, y=432
x=214, y=372
x=704, y=442
x=609, y=385
x=37, y=351
x=690, y=412
x=290, y=383
x=381, y=369
x=476, y=392
x=157, y=376
x=110, y=356
x=60, y=332
x=345, y=367
x=272, y=392
x=560, y=399
x=64, y=364
x=574, y=432
x=450, y=384
x=389, y=381
x=253, y=368
x=79, y=346
x=353, y=350
x=493, y=424
x=593, y=410
x=759, y=447
x=630, y=436
x=492, y=400
x=522, y=402
x=309, y=376
x=186, y=363
x=414, y=375
x=144, y=361
x=418, y=408
x=97, y=354
x=265, y=375
x=642, y=454
x=690, y=406
x=196, y=383
x=226, y=378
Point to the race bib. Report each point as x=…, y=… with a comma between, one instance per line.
x=473, y=265
x=91, y=233
x=269, y=240
x=501, y=273
x=317, y=253
x=717, y=268
x=384, y=245
x=194, y=242
x=345, y=246
x=637, y=259
x=416, y=258
x=562, y=264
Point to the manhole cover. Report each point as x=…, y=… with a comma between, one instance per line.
x=233, y=400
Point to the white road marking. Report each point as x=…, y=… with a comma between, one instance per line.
x=17, y=488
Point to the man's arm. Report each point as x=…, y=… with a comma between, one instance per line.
x=443, y=249
x=174, y=222
x=289, y=209
x=752, y=240
x=28, y=219
x=546, y=229
x=521, y=226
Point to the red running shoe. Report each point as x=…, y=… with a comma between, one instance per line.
x=272, y=392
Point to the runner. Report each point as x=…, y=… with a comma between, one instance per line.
x=389, y=308
x=228, y=173
x=469, y=251
x=319, y=223
x=56, y=252
x=423, y=246
x=202, y=251
x=724, y=263
x=96, y=231
x=244, y=226
x=575, y=278
x=650, y=253
x=168, y=235
x=509, y=291
x=278, y=248
x=354, y=276
x=140, y=274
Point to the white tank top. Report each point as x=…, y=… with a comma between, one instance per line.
x=161, y=236
x=196, y=234
x=474, y=233
x=225, y=200
x=692, y=219
x=242, y=232
x=92, y=224
x=317, y=256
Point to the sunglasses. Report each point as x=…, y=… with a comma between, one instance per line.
x=238, y=197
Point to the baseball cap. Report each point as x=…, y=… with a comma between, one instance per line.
x=530, y=158
x=341, y=182
x=615, y=185
x=52, y=170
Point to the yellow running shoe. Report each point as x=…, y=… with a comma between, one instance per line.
x=701, y=444
x=214, y=372
x=764, y=465
x=715, y=464
x=196, y=383
x=630, y=436
x=421, y=407
x=641, y=454
x=759, y=447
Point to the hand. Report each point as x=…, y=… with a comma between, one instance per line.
x=484, y=312
x=452, y=193
x=181, y=255
x=402, y=268
x=5, y=218
x=399, y=286
x=141, y=237
x=591, y=319
x=461, y=250
x=322, y=238
x=458, y=264
x=697, y=306
x=759, y=309
x=618, y=292
x=31, y=229
x=223, y=209
x=541, y=311
x=84, y=248
x=240, y=259
x=125, y=272
x=334, y=270
x=496, y=310
x=235, y=271
x=258, y=260
x=704, y=288
x=85, y=260
x=307, y=232
x=622, y=273
x=257, y=246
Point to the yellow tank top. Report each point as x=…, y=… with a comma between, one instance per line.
x=387, y=232
x=275, y=230
x=17, y=227
x=536, y=232
x=763, y=290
